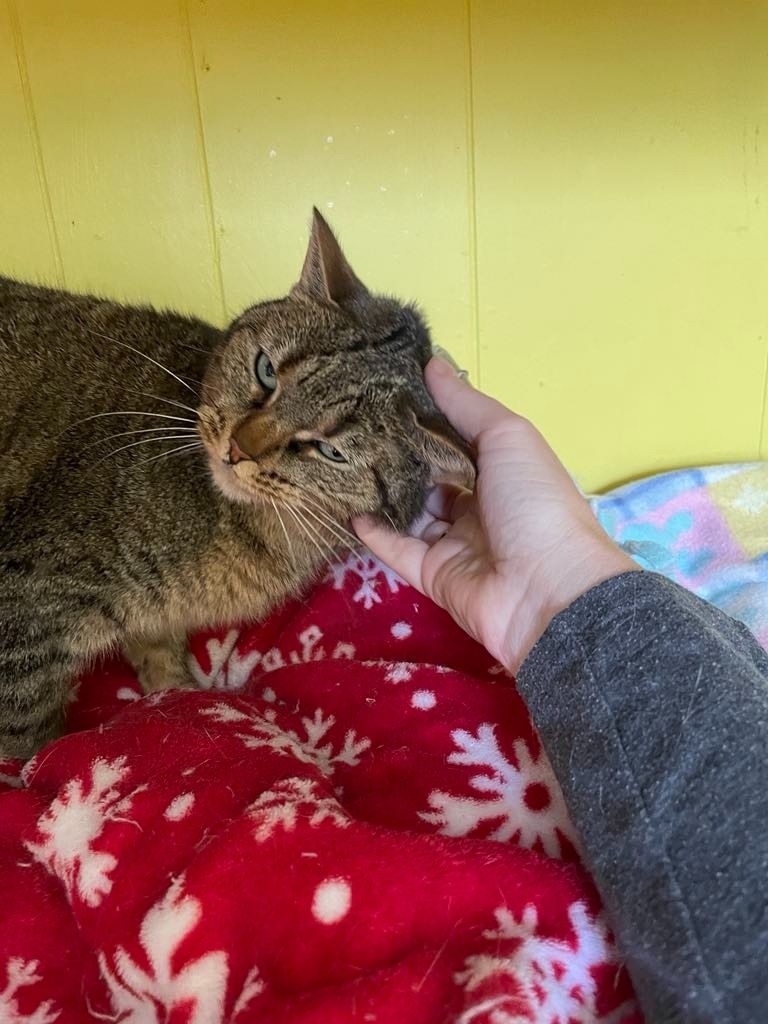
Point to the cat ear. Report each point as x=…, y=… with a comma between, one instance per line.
x=445, y=451
x=326, y=275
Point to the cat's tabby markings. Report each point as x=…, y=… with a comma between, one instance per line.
x=158, y=475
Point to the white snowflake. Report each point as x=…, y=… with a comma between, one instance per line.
x=219, y=652
x=553, y=979
x=231, y=670
x=400, y=671
x=150, y=996
x=252, y=986
x=309, y=749
x=369, y=571
x=72, y=823
x=290, y=799
x=21, y=974
x=459, y=815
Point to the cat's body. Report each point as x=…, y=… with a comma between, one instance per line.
x=134, y=548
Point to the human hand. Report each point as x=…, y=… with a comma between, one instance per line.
x=505, y=559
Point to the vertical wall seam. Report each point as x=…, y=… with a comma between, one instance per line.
x=761, y=446
x=202, y=150
x=474, y=290
x=34, y=135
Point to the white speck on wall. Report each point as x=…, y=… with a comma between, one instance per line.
x=357, y=127
x=420, y=195
x=406, y=117
x=329, y=138
x=347, y=183
x=332, y=900
x=330, y=204
x=179, y=807
x=423, y=700
x=401, y=630
x=382, y=188
x=268, y=694
x=391, y=131
x=272, y=154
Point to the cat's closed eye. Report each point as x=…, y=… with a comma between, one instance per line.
x=265, y=371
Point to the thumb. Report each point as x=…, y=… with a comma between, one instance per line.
x=469, y=411
x=403, y=554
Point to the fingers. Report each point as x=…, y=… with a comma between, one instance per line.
x=470, y=411
x=445, y=501
x=403, y=554
x=436, y=530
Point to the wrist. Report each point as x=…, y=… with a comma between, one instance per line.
x=552, y=590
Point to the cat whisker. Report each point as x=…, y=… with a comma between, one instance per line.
x=128, y=412
x=168, y=401
x=312, y=534
x=146, y=430
x=145, y=440
x=164, y=455
x=144, y=355
x=285, y=532
x=337, y=527
x=339, y=537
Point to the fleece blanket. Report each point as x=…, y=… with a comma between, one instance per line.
x=706, y=529
x=352, y=820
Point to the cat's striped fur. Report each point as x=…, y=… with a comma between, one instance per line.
x=121, y=525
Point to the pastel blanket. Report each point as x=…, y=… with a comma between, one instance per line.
x=353, y=821
x=706, y=529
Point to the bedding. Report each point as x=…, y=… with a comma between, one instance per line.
x=704, y=528
x=352, y=820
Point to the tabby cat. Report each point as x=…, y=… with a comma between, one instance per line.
x=158, y=475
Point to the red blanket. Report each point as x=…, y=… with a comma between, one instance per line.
x=353, y=822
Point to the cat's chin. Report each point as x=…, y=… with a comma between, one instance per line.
x=229, y=485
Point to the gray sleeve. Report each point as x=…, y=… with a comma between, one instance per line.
x=653, y=708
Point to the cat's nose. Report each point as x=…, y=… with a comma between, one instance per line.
x=236, y=453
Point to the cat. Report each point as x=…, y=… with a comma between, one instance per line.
x=158, y=475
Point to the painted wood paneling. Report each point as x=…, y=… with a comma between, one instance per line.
x=622, y=242
x=575, y=194
x=359, y=109
x=28, y=244
x=114, y=100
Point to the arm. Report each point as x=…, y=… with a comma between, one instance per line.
x=653, y=708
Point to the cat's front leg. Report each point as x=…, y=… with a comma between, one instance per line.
x=160, y=663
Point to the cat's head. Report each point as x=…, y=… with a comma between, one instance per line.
x=319, y=398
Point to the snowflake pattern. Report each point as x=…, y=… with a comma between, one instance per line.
x=21, y=974
x=289, y=800
x=74, y=821
x=552, y=981
x=150, y=996
x=366, y=571
x=231, y=670
x=526, y=799
x=309, y=749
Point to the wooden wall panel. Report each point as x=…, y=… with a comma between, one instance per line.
x=114, y=98
x=359, y=109
x=622, y=242
x=575, y=194
x=28, y=244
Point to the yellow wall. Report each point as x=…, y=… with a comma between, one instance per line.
x=575, y=192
